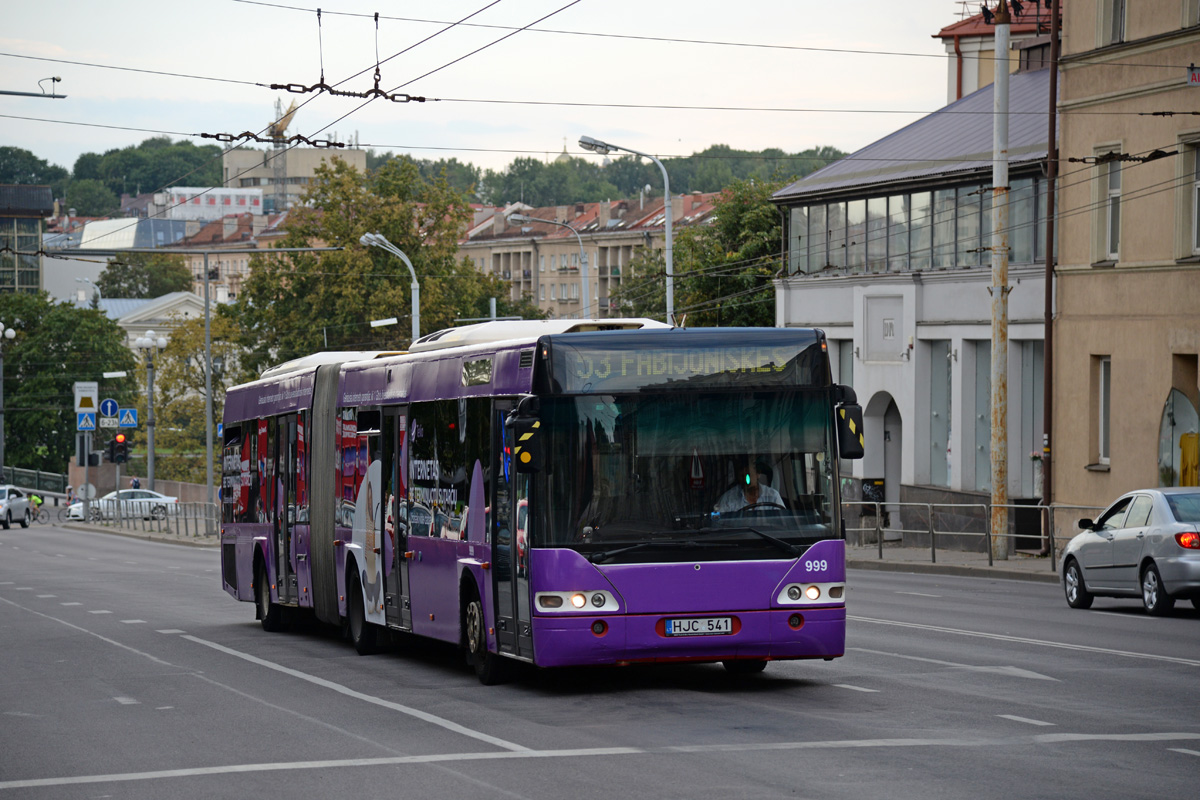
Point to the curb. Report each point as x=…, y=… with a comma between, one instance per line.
x=152, y=536
x=955, y=569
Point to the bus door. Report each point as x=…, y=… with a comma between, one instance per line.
x=283, y=495
x=510, y=543
x=397, y=606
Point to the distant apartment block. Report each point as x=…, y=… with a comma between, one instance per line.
x=268, y=169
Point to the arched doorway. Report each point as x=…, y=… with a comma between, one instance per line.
x=883, y=430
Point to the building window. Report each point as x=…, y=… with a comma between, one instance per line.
x=541, y=263
x=542, y=292
x=1103, y=405
x=554, y=291
x=1111, y=179
x=1112, y=22
x=1195, y=195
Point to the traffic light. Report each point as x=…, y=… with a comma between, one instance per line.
x=121, y=449
x=110, y=451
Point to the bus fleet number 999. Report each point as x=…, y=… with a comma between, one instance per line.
x=816, y=566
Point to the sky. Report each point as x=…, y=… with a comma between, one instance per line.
x=579, y=69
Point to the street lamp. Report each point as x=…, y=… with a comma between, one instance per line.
x=583, y=270
x=604, y=148
x=378, y=240
x=5, y=333
x=150, y=344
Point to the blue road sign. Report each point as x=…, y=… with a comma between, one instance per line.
x=85, y=421
x=128, y=418
x=109, y=407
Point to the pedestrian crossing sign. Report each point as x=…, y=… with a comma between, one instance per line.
x=85, y=421
x=128, y=418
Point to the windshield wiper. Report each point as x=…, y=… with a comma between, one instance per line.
x=792, y=549
x=604, y=555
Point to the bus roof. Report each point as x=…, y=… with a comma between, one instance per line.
x=505, y=330
x=330, y=357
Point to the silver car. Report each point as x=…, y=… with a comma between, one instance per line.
x=14, y=507
x=1145, y=544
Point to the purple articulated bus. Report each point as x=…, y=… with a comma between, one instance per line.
x=554, y=492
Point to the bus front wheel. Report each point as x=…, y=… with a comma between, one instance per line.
x=362, y=633
x=489, y=667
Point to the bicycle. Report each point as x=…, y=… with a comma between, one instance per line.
x=42, y=516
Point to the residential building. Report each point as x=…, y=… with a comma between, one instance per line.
x=204, y=202
x=889, y=251
x=971, y=45
x=293, y=168
x=542, y=260
x=227, y=271
x=1127, y=334
x=22, y=209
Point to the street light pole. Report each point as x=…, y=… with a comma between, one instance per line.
x=150, y=344
x=378, y=240
x=604, y=148
x=5, y=333
x=583, y=265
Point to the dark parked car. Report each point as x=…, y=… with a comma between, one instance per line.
x=1145, y=544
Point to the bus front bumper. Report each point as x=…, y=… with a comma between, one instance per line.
x=560, y=641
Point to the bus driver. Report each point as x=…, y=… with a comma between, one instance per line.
x=752, y=488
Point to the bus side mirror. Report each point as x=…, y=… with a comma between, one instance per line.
x=526, y=435
x=850, y=430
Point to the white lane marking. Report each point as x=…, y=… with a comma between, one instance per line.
x=90, y=633
x=1022, y=640
x=1026, y=720
x=171, y=630
x=134, y=621
x=44, y=596
x=6, y=583
x=337, y=687
x=854, y=688
x=24, y=588
x=230, y=769
x=99, y=611
x=164, y=708
x=1131, y=614
x=70, y=604
x=1012, y=672
x=127, y=701
x=59, y=555
x=1185, y=751
x=919, y=594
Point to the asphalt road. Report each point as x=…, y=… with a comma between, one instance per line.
x=125, y=671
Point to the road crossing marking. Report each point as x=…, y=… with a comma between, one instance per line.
x=70, y=604
x=170, y=630
x=1026, y=720
x=920, y=594
x=44, y=596
x=854, y=688
x=586, y=753
x=1185, y=751
x=97, y=611
x=127, y=701
x=134, y=621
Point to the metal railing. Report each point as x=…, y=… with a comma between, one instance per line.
x=35, y=479
x=149, y=516
x=1053, y=518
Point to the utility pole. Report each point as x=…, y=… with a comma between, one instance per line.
x=1048, y=325
x=999, y=290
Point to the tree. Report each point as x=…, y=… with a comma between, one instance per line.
x=723, y=271
x=152, y=165
x=294, y=304
x=91, y=198
x=145, y=275
x=22, y=167
x=56, y=345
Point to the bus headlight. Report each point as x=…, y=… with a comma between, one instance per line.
x=813, y=592
x=568, y=602
x=794, y=594
x=578, y=600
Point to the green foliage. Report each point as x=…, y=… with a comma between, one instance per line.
x=722, y=271
x=463, y=178
x=91, y=198
x=152, y=165
x=56, y=345
x=295, y=304
x=531, y=181
x=145, y=275
x=22, y=167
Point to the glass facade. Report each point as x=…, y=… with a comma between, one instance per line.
x=21, y=270
x=943, y=228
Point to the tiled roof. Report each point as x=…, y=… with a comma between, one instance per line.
x=26, y=201
x=954, y=139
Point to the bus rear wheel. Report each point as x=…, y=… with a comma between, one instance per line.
x=362, y=633
x=270, y=613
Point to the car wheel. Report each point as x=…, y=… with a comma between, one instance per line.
x=745, y=666
x=7, y=521
x=489, y=667
x=158, y=512
x=270, y=613
x=362, y=633
x=26, y=519
x=1077, y=594
x=1154, y=596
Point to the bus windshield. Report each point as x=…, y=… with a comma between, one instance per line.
x=688, y=475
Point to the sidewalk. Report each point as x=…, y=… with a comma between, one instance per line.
x=895, y=558
x=1018, y=566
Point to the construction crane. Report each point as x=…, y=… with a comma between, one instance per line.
x=279, y=161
